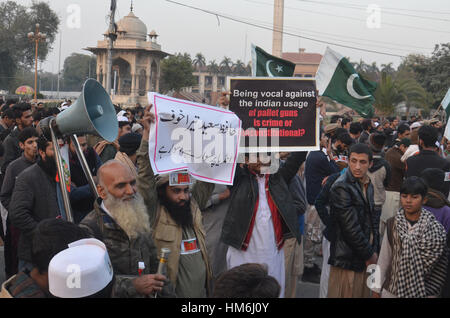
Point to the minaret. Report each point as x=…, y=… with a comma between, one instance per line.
x=278, y=17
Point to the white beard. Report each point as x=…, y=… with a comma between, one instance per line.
x=131, y=215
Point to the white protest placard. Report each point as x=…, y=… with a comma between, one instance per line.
x=200, y=138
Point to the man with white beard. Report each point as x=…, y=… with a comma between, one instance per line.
x=120, y=220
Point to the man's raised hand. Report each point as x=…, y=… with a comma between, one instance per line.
x=147, y=120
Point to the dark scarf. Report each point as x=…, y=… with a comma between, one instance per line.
x=436, y=199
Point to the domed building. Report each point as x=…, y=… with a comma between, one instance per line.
x=135, y=62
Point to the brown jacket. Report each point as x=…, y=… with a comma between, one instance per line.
x=166, y=232
x=398, y=169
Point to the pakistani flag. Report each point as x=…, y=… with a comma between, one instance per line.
x=337, y=79
x=268, y=65
x=446, y=106
x=446, y=103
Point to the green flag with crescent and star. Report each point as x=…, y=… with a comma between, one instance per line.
x=446, y=104
x=337, y=79
x=267, y=65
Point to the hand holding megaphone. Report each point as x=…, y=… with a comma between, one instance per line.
x=43, y=127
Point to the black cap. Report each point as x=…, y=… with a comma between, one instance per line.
x=129, y=143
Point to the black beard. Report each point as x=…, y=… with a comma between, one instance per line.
x=49, y=166
x=180, y=214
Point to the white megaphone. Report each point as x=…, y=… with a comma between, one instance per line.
x=92, y=113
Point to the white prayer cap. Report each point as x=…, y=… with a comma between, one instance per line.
x=136, y=127
x=376, y=124
x=63, y=106
x=122, y=118
x=121, y=113
x=81, y=270
x=416, y=124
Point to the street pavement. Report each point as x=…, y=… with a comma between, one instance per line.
x=306, y=289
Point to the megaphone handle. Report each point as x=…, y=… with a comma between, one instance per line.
x=84, y=165
x=62, y=178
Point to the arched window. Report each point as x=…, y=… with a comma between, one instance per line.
x=123, y=76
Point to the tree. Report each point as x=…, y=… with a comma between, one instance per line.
x=240, y=68
x=16, y=50
x=225, y=65
x=176, y=72
x=386, y=95
x=22, y=76
x=76, y=70
x=432, y=73
x=213, y=67
x=390, y=92
x=360, y=67
x=248, y=68
x=412, y=94
x=368, y=71
x=48, y=81
x=199, y=62
x=387, y=68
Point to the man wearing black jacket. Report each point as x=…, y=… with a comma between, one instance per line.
x=355, y=236
x=28, y=143
x=428, y=156
x=35, y=199
x=319, y=165
x=24, y=118
x=261, y=216
x=322, y=205
x=380, y=171
x=367, y=129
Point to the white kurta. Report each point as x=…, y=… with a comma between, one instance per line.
x=262, y=247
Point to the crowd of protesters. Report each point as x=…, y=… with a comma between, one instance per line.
x=372, y=203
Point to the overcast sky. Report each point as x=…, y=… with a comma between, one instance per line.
x=406, y=26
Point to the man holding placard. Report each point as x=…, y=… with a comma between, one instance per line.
x=175, y=217
x=261, y=214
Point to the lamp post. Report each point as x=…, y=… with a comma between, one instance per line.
x=36, y=37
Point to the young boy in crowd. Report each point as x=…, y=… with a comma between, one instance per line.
x=413, y=257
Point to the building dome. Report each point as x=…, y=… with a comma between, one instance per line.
x=132, y=27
